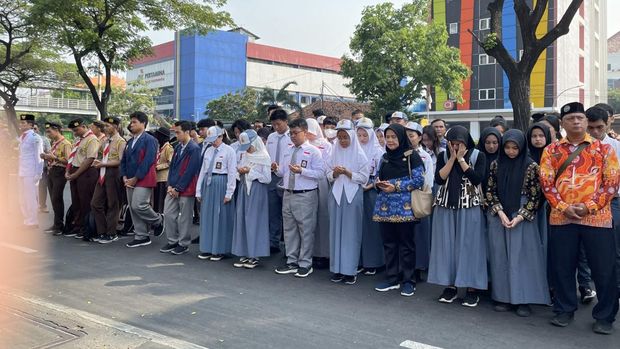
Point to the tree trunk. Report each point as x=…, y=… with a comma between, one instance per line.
x=519, y=93
x=11, y=115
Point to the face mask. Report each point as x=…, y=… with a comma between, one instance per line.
x=330, y=133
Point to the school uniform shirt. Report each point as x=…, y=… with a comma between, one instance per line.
x=184, y=168
x=30, y=150
x=163, y=162
x=429, y=168
x=117, y=146
x=225, y=163
x=88, y=148
x=615, y=144
x=60, y=149
x=272, y=145
x=312, y=167
x=139, y=160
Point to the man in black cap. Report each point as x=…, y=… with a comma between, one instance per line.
x=536, y=117
x=57, y=163
x=30, y=169
x=162, y=134
x=106, y=202
x=579, y=176
x=81, y=175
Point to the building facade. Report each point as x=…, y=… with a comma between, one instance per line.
x=194, y=69
x=572, y=69
x=613, y=61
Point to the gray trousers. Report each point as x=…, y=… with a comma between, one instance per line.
x=178, y=213
x=299, y=214
x=142, y=213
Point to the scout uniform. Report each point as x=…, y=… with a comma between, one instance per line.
x=106, y=201
x=30, y=170
x=61, y=148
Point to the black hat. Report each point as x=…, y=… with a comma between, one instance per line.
x=53, y=125
x=75, y=123
x=536, y=117
x=112, y=120
x=570, y=108
x=26, y=117
x=163, y=131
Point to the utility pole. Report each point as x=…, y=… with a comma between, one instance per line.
x=322, y=86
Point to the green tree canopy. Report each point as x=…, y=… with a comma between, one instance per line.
x=137, y=96
x=241, y=104
x=106, y=35
x=397, y=54
x=281, y=97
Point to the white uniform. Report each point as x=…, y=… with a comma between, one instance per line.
x=30, y=171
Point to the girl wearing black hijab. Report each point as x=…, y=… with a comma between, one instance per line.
x=162, y=134
x=459, y=244
x=538, y=137
x=516, y=252
x=400, y=172
x=489, y=142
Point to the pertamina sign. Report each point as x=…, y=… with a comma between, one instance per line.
x=156, y=75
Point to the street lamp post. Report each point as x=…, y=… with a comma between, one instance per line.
x=555, y=100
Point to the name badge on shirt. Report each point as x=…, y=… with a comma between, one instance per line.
x=304, y=163
x=218, y=165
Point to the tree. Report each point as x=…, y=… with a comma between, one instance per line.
x=136, y=96
x=106, y=35
x=397, y=54
x=613, y=98
x=241, y=104
x=281, y=97
x=519, y=72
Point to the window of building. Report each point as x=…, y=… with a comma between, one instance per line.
x=484, y=24
x=304, y=99
x=454, y=28
x=486, y=94
x=484, y=59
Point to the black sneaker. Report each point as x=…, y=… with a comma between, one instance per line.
x=71, y=233
x=108, y=239
x=587, y=295
x=139, y=243
x=251, y=263
x=78, y=236
x=501, y=307
x=168, y=247
x=448, y=295
x=303, y=272
x=360, y=270
x=602, y=327
x=58, y=233
x=524, y=310
x=370, y=271
x=196, y=220
x=336, y=278
x=287, y=269
x=158, y=230
x=216, y=257
x=204, y=256
x=180, y=250
x=350, y=279
x=471, y=299
x=98, y=237
x=407, y=289
x=51, y=229
x=387, y=286
x=241, y=262
x=562, y=320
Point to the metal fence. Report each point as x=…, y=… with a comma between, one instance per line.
x=57, y=103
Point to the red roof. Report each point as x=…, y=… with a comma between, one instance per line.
x=281, y=55
x=160, y=53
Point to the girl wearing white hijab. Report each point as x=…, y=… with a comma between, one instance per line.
x=321, y=235
x=251, y=230
x=348, y=169
x=372, y=256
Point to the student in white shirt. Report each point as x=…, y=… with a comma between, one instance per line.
x=301, y=169
x=215, y=189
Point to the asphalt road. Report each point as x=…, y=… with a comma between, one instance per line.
x=214, y=305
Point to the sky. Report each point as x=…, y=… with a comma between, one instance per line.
x=316, y=26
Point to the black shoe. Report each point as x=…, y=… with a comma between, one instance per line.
x=587, y=295
x=350, y=279
x=98, y=237
x=108, y=239
x=139, y=243
x=196, y=220
x=385, y=286
x=158, y=230
x=274, y=250
x=241, y=262
x=204, y=256
x=168, y=248
x=71, y=233
x=370, y=271
x=216, y=257
x=448, y=295
x=336, y=277
x=195, y=240
x=303, y=272
x=58, y=233
x=524, y=310
x=251, y=263
x=407, y=289
x=287, y=269
x=360, y=270
x=78, y=236
x=562, y=320
x=180, y=250
x=52, y=229
x=502, y=307
x=602, y=327
x=471, y=299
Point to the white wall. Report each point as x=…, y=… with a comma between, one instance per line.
x=260, y=75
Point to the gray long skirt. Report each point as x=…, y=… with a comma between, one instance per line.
x=422, y=243
x=216, y=218
x=345, y=233
x=459, y=249
x=372, y=244
x=321, y=234
x=518, y=263
x=251, y=230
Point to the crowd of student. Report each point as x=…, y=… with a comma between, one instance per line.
x=520, y=212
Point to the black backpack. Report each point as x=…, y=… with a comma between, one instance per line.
x=125, y=224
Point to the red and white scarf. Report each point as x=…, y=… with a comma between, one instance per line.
x=75, y=148
x=106, y=153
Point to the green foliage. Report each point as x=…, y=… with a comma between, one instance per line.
x=241, y=104
x=613, y=98
x=136, y=97
x=397, y=53
x=490, y=42
x=280, y=97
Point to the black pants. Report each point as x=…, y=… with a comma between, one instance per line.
x=159, y=196
x=106, y=204
x=599, y=244
x=82, y=189
x=56, y=185
x=399, y=248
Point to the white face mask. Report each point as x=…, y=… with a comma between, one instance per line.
x=330, y=133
